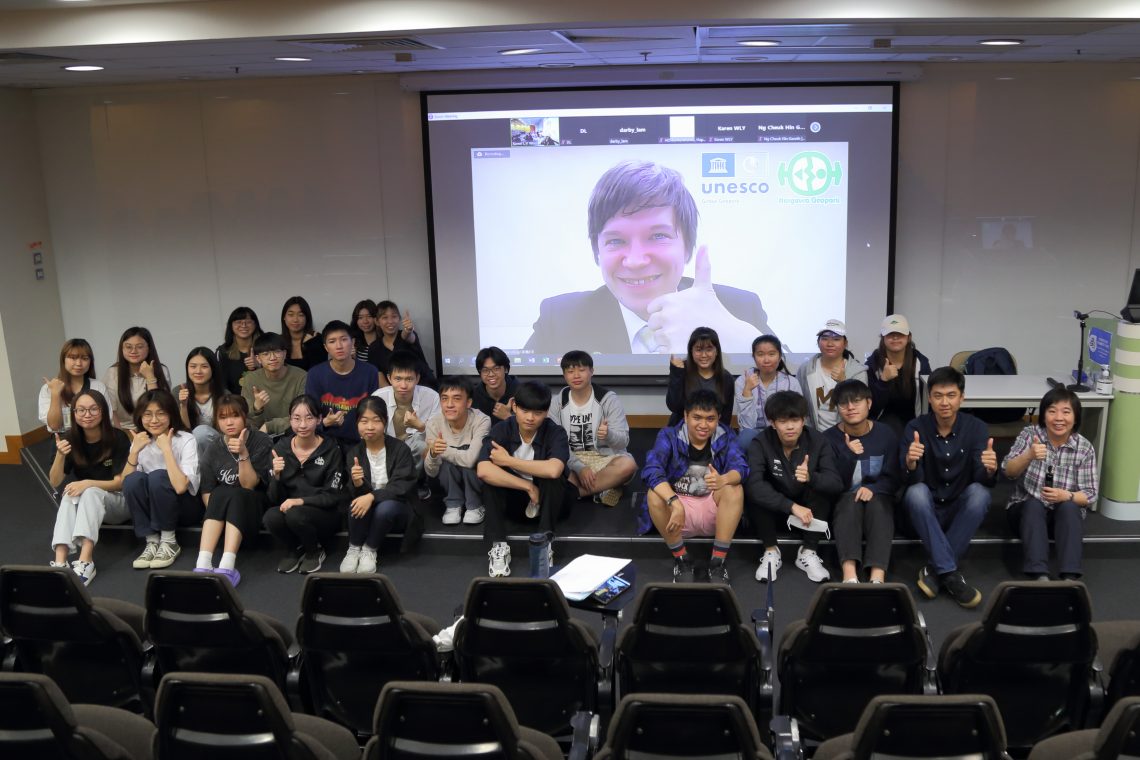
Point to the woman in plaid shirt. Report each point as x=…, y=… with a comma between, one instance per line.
x=1053, y=444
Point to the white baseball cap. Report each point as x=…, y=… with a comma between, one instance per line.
x=895, y=323
x=833, y=326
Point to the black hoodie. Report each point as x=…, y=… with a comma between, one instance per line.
x=320, y=481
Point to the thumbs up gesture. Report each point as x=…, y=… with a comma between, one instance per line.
x=183, y=393
x=357, y=472
x=260, y=399
x=62, y=446
x=713, y=479
x=603, y=430
x=438, y=446
x=803, y=472
x=1038, y=450
x=54, y=385
x=412, y=420
x=237, y=445
x=856, y=446
x=146, y=369
x=278, y=465
x=989, y=457
x=250, y=361
x=407, y=324
x=914, y=452
x=751, y=381
x=889, y=371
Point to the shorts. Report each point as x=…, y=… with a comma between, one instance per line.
x=700, y=515
x=595, y=461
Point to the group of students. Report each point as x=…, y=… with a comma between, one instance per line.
x=263, y=434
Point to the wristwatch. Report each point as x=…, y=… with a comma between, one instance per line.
x=672, y=499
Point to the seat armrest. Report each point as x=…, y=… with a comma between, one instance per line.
x=8, y=648
x=1097, y=694
x=586, y=730
x=786, y=738
x=930, y=684
x=296, y=692
x=606, y=646
x=763, y=623
x=148, y=682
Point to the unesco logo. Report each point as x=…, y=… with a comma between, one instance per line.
x=718, y=165
x=809, y=173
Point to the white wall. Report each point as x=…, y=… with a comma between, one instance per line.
x=170, y=204
x=32, y=327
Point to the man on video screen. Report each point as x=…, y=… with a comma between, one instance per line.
x=643, y=225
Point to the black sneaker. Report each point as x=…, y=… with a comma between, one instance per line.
x=964, y=594
x=312, y=561
x=718, y=571
x=290, y=561
x=683, y=570
x=928, y=582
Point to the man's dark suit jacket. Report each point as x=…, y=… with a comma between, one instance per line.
x=592, y=321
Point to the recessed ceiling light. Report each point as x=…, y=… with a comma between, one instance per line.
x=747, y=58
x=83, y=68
x=292, y=59
x=1004, y=79
x=998, y=42
x=520, y=51
x=556, y=65
x=758, y=43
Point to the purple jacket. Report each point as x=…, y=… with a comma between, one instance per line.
x=668, y=460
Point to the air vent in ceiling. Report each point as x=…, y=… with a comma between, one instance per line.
x=361, y=44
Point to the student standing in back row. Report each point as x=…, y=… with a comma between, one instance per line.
x=496, y=390
x=896, y=372
x=819, y=375
x=235, y=355
x=136, y=370
x=770, y=375
x=950, y=467
x=76, y=373
x=702, y=369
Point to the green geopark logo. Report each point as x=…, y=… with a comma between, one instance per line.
x=809, y=173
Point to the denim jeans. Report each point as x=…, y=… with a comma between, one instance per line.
x=946, y=529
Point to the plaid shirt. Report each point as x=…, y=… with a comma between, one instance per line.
x=1074, y=466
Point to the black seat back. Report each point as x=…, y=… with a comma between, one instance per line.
x=960, y=726
x=92, y=655
x=688, y=638
x=683, y=726
x=354, y=638
x=857, y=641
x=198, y=624
x=36, y=721
x=517, y=634
x=419, y=720
x=225, y=717
x=1032, y=652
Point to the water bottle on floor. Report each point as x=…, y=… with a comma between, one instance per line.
x=540, y=554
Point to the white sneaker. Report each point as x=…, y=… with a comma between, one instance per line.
x=770, y=563
x=452, y=515
x=810, y=562
x=167, y=552
x=474, y=516
x=85, y=571
x=351, y=560
x=367, y=561
x=500, y=564
x=531, y=511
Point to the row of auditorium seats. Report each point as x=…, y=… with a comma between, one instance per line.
x=233, y=717
x=1034, y=651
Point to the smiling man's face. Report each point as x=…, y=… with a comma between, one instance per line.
x=642, y=256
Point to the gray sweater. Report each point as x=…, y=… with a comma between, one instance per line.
x=462, y=447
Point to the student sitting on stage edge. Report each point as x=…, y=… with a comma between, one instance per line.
x=791, y=472
x=866, y=453
x=594, y=421
x=455, y=437
x=693, y=473
x=522, y=466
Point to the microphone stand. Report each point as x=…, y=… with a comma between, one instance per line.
x=1078, y=386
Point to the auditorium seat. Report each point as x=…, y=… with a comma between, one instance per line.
x=1118, y=737
x=232, y=717
x=517, y=634
x=91, y=647
x=683, y=726
x=929, y=726
x=197, y=623
x=692, y=638
x=36, y=721
x=355, y=636
x=856, y=642
x=1032, y=652
x=415, y=720
x=1118, y=651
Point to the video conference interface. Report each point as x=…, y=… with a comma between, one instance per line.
x=617, y=221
